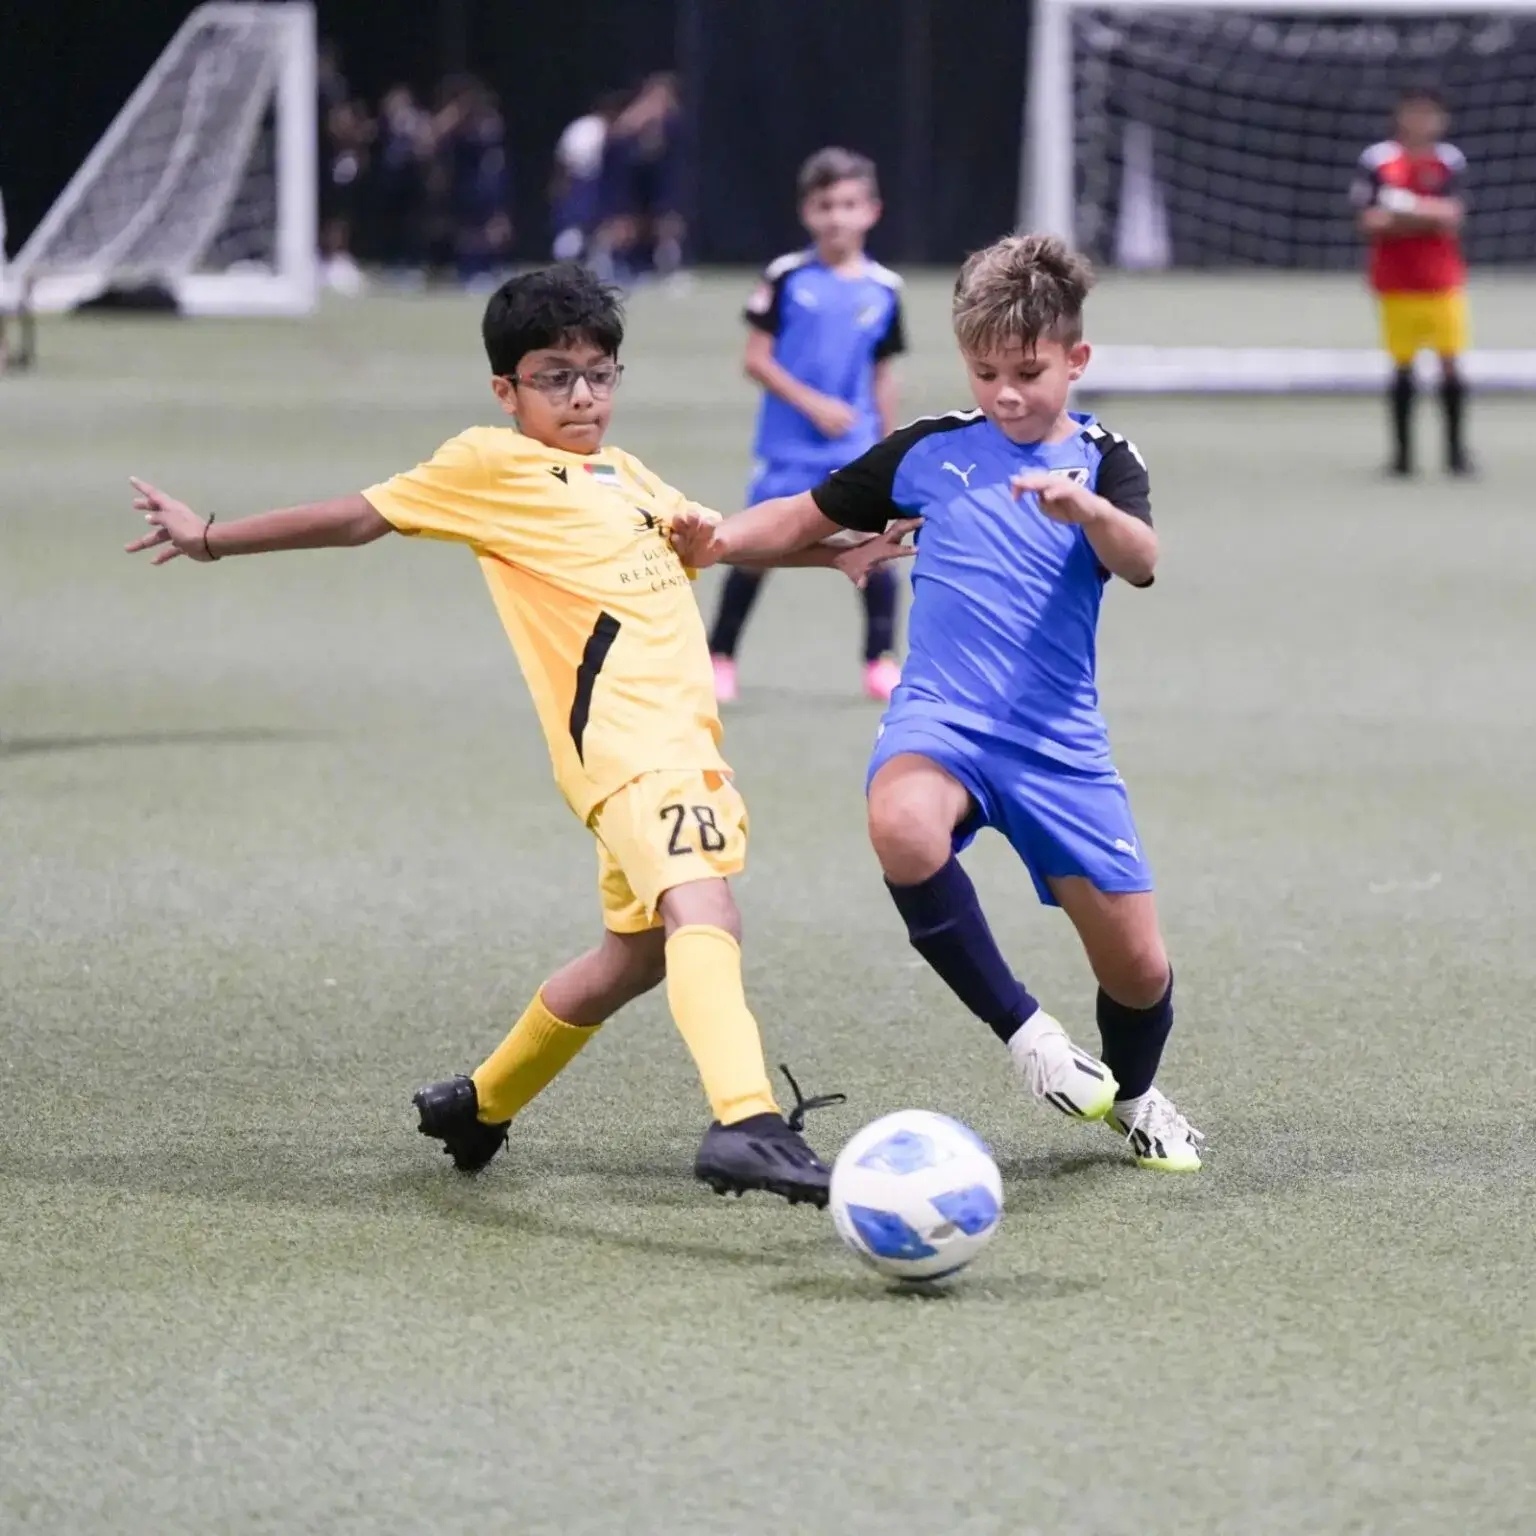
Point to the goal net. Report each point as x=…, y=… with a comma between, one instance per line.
x=206, y=181
x=1162, y=134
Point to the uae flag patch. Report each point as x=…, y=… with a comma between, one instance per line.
x=604, y=474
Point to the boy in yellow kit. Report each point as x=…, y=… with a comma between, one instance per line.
x=573, y=540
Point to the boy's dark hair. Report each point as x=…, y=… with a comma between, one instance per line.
x=554, y=305
x=1422, y=90
x=827, y=167
x=1021, y=289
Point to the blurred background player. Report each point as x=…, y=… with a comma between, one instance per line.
x=1408, y=191
x=576, y=185
x=643, y=227
x=826, y=323
x=402, y=155
x=474, y=148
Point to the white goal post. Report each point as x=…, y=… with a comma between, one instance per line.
x=1224, y=135
x=206, y=183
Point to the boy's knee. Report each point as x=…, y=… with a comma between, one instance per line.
x=639, y=962
x=1139, y=977
x=909, y=836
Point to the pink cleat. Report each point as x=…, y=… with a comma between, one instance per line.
x=725, y=679
x=880, y=679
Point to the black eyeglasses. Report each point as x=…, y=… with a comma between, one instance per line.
x=558, y=383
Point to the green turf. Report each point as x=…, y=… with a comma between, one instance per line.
x=278, y=842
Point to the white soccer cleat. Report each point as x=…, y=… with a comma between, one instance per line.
x=1159, y=1136
x=1060, y=1073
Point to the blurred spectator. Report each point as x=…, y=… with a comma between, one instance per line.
x=473, y=154
x=643, y=226
x=347, y=136
x=575, y=192
x=402, y=157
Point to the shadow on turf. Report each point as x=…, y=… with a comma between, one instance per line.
x=861, y=1286
x=37, y=746
x=266, y=1174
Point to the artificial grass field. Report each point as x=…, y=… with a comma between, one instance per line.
x=278, y=843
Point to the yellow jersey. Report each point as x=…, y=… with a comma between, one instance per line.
x=598, y=607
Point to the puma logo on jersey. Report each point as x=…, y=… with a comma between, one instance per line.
x=648, y=522
x=963, y=474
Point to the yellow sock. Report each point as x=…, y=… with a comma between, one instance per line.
x=539, y=1048
x=705, y=994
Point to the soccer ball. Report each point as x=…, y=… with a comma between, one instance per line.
x=917, y=1195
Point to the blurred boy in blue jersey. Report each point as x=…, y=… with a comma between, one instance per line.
x=825, y=325
x=1027, y=510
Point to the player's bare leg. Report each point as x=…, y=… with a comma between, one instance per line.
x=749, y=1145
x=471, y=1115
x=915, y=805
x=1124, y=944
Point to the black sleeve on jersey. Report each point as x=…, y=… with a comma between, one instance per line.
x=894, y=342
x=765, y=309
x=861, y=495
x=1123, y=480
x=858, y=495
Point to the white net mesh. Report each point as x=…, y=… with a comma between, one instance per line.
x=185, y=183
x=1212, y=137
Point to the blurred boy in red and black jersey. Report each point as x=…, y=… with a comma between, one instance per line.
x=1408, y=191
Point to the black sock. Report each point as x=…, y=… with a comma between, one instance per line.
x=947, y=928
x=1132, y=1040
x=1453, y=402
x=1402, y=419
x=736, y=601
x=879, y=614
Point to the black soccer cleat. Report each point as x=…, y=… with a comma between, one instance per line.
x=767, y=1152
x=450, y=1114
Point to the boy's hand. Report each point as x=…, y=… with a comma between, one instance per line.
x=832, y=418
x=858, y=560
x=696, y=538
x=176, y=528
x=1059, y=497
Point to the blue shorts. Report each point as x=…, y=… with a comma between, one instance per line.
x=770, y=480
x=1060, y=820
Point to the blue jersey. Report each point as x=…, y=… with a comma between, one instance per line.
x=829, y=332
x=1005, y=602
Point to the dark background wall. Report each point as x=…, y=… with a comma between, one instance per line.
x=768, y=81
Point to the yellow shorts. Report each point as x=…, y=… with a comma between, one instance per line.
x=664, y=829
x=1423, y=322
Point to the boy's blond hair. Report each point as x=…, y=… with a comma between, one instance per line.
x=1024, y=288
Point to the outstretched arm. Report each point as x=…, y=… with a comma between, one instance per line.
x=762, y=535
x=175, y=529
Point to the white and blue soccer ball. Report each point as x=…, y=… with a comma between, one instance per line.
x=917, y=1195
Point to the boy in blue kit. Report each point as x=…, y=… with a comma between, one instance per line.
x=1027, y=509
x=825, y=325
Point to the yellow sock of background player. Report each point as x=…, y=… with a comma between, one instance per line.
x=709, y=1005
x=538, y=1049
